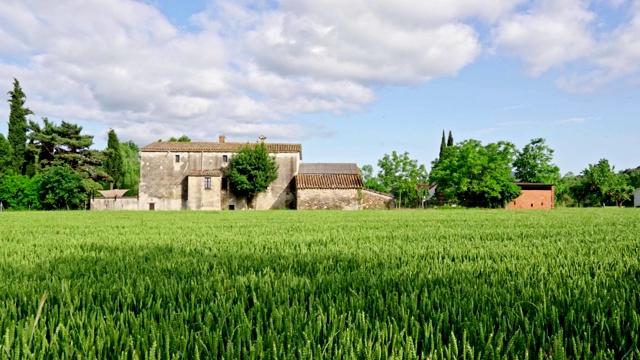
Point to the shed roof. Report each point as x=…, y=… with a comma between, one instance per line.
x=115, y=193
x=329, y=168
x=328, y=181
x=214, y=173
x=217, y=147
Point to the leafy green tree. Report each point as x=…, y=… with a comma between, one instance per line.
x=533, y=163
x=114, y=164
x=450, y=139
x=17, y=135
x=251, y=171
x=62, y=188
x=20, y=192
x=370, y=181
x=183, y=138
x=476, y=175
x=599, y=178
x=619, y=189
x=5, y=155
x=401, y=175
x=563, y=191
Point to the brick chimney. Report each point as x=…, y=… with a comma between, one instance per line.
x=222, y=139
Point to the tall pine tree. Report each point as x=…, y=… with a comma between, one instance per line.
x=17, y=135
x=450, y=140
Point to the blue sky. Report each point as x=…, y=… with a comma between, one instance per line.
x=350, y=80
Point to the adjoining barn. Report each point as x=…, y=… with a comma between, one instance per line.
x=636, y=198
x=328, y=186
x=534, y=196
x=336, y=186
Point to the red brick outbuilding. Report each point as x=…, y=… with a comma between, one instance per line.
x=534, y=196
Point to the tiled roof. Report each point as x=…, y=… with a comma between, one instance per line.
x=328, y=181
x=329, y=168
x=217, y=147
x=205, y=173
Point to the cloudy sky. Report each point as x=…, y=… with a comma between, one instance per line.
x=349, y=79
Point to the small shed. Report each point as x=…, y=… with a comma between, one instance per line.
x=534, y=196
x=114, y=200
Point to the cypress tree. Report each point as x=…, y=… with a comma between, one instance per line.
x=5, y=155
x=114, y=163
x=442, y=146
x=17, y=135
x=450, y=140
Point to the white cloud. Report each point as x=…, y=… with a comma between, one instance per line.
x=252, y=65
x=549, y=34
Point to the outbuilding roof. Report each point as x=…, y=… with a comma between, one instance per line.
x=163, y=146
x=329, y=168
x=328, y=181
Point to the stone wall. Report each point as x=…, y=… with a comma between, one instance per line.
x=533, y=199
x=375, y=200
x=328, y=199
x=123, y=203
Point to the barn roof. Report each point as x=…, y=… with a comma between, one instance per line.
x=328, y=181
x=217, y=147
x=329, y=168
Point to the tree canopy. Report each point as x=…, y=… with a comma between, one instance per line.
x=55, y=145
x=251, y=171
x=183, y=138
x=476, y=175
x=401, y=176
x=533, y=163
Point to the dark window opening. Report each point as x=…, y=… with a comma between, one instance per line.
x=207, y=183
x=232, y=207
x=225, y=183
x=531, y=205
x=152, y=206
x=177, y=158
x=224, y=158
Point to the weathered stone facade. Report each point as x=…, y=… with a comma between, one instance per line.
x=328, y=199
x=374, y=200
x=534, y=196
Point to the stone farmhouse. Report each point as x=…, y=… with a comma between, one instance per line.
x=191, y=176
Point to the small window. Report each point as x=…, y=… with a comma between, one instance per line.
x=225, y=158
x=232, y=207
x=225, y=183
x=177, y=158
x=207, y=183
x=152, y=206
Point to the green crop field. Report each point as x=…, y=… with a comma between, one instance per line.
x=466, y=284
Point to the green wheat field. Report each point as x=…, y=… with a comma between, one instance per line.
x=464, y=284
